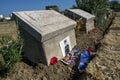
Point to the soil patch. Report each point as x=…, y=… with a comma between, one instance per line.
x=106, y=65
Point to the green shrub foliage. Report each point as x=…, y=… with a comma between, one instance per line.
x=10, y=53
x=97, y=7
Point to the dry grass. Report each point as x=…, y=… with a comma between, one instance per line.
x=8, y=28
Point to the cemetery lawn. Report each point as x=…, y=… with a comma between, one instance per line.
x=25, y=70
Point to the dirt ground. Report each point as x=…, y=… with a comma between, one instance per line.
x=106, y=64
x=25, y=70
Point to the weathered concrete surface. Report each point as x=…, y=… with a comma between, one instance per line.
x=82, y=13
x=42, y=31
x=106, y=65
x=86, y=18
x=48, y=23
x=43, y=52
x=52, y=47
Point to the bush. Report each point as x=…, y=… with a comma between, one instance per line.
x=10, y=53
x=99, y=8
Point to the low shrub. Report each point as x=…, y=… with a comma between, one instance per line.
x=10, y=53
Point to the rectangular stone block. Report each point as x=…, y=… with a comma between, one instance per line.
x=42, y=32
x=87, y=18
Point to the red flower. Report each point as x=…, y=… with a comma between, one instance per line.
x=89, y=49
x=53, y=60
